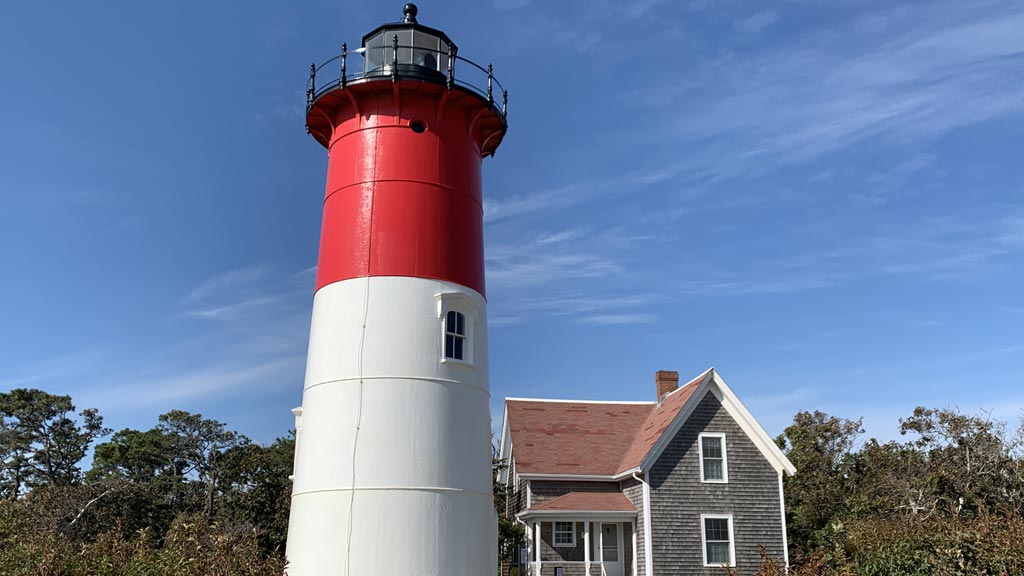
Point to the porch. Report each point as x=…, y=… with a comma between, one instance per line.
x=580, y=534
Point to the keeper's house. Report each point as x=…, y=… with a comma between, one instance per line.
x=682, y=485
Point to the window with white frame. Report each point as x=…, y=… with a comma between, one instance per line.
x=564, y=534
x=455, y=335
x=716, y=534
x=457, y=313
x=713, y=464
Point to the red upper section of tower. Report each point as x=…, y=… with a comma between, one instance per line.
x=405, y=139
x=403, y=191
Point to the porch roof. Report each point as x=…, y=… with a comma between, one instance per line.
x=587, y=502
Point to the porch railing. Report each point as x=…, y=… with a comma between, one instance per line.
x=570, y=568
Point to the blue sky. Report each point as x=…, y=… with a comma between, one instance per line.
x=822, y=199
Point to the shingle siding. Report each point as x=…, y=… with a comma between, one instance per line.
x=678, y=497
x=634, y=491
x=544, y=490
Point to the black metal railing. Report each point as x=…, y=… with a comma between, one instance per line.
x=402, y=61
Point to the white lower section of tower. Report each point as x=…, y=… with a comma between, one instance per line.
x=392, y=459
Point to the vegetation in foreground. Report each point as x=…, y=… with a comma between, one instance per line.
x=191, y=497
x=947, y=500
x=187, y=497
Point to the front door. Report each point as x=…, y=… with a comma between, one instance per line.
x=611, y=551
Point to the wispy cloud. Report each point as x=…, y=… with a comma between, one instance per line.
x=216, y=285
x=56, y=370
x=203, y=382
x=950, y=68
x=220, y=312
x=619, y=319
x=757, y=22
x=518, y=269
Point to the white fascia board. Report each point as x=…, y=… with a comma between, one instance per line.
x=750, y=425
x=632, y=402
x=648, y=537
x=713, y=382
x=504, y=446
x=570, y=515
x=581, y=477
x=584, y=477
x=785, y=537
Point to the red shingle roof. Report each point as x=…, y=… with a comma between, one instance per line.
x=589, y=502
x=587, y=438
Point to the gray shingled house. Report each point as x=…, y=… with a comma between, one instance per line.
x=683, y=485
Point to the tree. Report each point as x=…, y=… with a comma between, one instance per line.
x=40, y=442
x=970, y=458
x=199, y=446
x=257, y=489
x=133, y=455
x=510, y=533
x=819, y=446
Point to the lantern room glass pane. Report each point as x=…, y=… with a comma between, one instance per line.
x=374, y=55
x=430, y=52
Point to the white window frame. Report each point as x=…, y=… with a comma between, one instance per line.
x=554, y=534
x=704, y=539
x=725, y=457
x=457, y=302
x=459, y=354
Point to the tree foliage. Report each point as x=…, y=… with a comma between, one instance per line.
x=41, y=443
x=188, y=496
x=946, y=500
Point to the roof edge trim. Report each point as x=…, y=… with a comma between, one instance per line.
x=647, y=402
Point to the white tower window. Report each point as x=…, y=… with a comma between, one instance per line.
x=458, y=315
x=455, y=335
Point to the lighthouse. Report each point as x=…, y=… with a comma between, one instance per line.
x=393, y=460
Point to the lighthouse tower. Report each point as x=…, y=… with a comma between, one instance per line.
x=392, y=459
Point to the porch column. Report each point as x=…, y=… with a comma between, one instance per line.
x=634, y=548
x=586, y=546
x=600, y=547
x=536, y=547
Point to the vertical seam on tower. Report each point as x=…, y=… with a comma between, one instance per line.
x=359, y=370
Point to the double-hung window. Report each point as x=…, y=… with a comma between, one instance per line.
x=564, y=534
x=458, y=316
x=455, y=335
x=719, y=546
x=713, y=464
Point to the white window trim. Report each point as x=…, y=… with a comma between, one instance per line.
x=466, y=306
x=704, y=540
x=554, y=540
x=725, y=457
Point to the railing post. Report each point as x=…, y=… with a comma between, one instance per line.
x=451, y=66
x=394, y=59
x=312, y=85
x=504, y=104
x=490, y=80
x=344, y=57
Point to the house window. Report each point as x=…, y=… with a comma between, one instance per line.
x=719, y=547
x=713, y=465
x=565, y=534
x=455, y=335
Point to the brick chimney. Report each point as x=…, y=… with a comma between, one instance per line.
x=667, y=381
